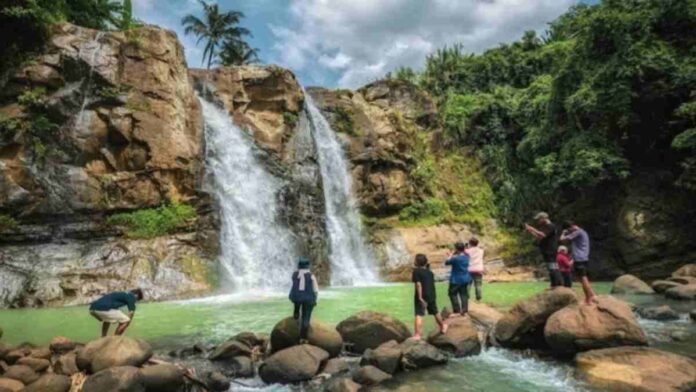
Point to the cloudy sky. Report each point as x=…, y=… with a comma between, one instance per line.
x=348, y=43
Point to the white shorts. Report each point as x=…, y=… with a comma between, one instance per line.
x=111, y=316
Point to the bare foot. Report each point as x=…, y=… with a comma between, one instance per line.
x=416, y=337
x=444, y=328
x=591, y=300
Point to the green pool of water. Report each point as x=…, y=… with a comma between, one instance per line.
x=214, y=319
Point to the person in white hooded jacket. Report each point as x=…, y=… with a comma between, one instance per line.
x=476, y=265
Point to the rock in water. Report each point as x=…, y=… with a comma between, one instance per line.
x=370, y=375
x=661, y=313
x=342, y=384
x=230, y=349
x=686, y=270
x=638, y=369
x=335, y=366
x=660, y=286
x=682, y=292
x=22, y=373
x=243, y=367
x=50, y=383
x=115, y=379
x=217, y=382
x=523, y=325
x=38, y=364
x=163, y=378
x=66, y=365
x=386, y=357
x=629, y=284
x=113, y=351
x=418, y=354
x=287, y=334
x=8, y=384
x=293, y=364
x=371, y=329
x=484, y=315
x=576, y=328
x=461, y=339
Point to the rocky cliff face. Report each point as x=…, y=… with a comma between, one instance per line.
x=100, y=123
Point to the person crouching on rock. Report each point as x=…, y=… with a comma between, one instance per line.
x=304, y=296
x=565, y=265
x=424, y=298
x=107, y=310
x=459, y=279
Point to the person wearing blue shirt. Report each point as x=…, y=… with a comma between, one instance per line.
x=107, y=310
x=459, y=279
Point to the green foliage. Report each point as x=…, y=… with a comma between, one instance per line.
x=404, y=74
x=33, y=99
x=237, y=52
x=7, y=222
x=148, y=223
x=343, y=121
x=9, y=126
x=290, y=119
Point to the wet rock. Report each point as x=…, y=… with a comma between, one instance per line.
x=661, y=313
x=523, y=325
x=22, y=373
x=371, y=329
x=484, y=315
x=293, y=364
x=686, y=270
x=243, y=367
x=335, y=366
x=42, y=353
x=418, y=354
x=682, y=292
x=66, y=364
x=39, y=365
x=218, y=382
x=230, y=349
x=629, y=284
x=50, y=383
x=163, y=378
x=660, y=286
x=248, y=338
x=386, y=357
x=582, y=327
x=370, y=375
x=679, y=336
x=682, y=279
x=61, y=345
x=115, y=379
x=692, y=314
x=639, y=369
x=14, y=355
x=8, y=384
x=461, y=339
x=113, y=351
x=286, y=334
x=342, y=384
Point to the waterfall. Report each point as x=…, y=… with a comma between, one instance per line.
x=95, y=46
x=257, y=251
x=352, y=261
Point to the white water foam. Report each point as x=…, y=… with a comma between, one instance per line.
x=352, y=260
x=257, y=251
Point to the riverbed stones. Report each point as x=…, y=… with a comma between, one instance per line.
x=418, y=354
x=581, y=327
x=22, y=373
x=484, y=315
x=39, y=365
x=686, y=270
x=115, y=379
x=243, y=366
x=660, y=313
x=162, y=378
x=113, y=351
x=218, y=382
x=342, y=384
x=287, y=333
x=8, y=384
x=386, y=357
x=629, y=284
x=370, y=375
x=371, y=329
x=638, y=369
x=230, y=349
x=14, y=355
x=66, y=364
x=41, y=352
x=335, y=366
x=293, y=364
x=61, y=345
x=50, y=383
x=660, y=286
x=682, y=292
x=461, y=339
x=523, y=325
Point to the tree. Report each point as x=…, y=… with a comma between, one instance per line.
x=217, y=28
x=237, y=52
x=126, y=21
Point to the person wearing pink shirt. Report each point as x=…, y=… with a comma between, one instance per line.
x=476, y=265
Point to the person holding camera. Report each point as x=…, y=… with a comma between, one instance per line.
x=546, y=236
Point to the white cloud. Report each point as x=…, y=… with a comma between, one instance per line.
x=361, y=40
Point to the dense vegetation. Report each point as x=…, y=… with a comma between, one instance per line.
x=153, y=222
x=608, y=92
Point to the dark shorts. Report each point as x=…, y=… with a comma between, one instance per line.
x=580, y=268
x=419, y=308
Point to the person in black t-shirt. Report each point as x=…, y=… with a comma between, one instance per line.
x=546, y=236
x=424, y=298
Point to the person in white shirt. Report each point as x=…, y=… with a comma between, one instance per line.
x=476, y=265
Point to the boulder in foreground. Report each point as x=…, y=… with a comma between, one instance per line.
x=580, y=327
x=50, y=383
x=163, y=378
x=682, y=292
x=294, y=364
x=386, y=357
x=8, y=384
x=370, y=375
x=461, y=339
x=418, y=354
x=287, y=334
x=638, y=369
x=629, y=284
x=686, y=270
x=371, y=329
x=115, y=379
x=113, y=351
x=660, y=286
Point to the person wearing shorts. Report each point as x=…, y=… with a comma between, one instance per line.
x=107, y=310
x=580, y=242
x=424, y=298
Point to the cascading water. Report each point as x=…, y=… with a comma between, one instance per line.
x=94, y=47
x=257, y=252
x=352, y=261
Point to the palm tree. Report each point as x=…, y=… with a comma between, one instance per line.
x=215, y=29
x=237, y=52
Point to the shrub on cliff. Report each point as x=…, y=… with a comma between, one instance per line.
x=153, y=222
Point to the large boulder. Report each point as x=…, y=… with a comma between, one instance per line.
x=577, y=327
x=66, y=364
x=50, y=383
x=418, y=354
x=342, y=384
x=22, y=373
x=660, y=286
x=163, y=378
x=287, y=334
x=638, y=369
x=629, y=284
x=483, y=315
x=293, y=364
x=115, y=379
x=218, y=382
x=682, y=292
x=682, y=279
x=686, y=270
x=523, y=325
x=230, y=349
x=113, y=351
x=38, y=364
x=370, y=375
x=61, y=345
x=386, y=357
x=371, y=329
x=242, y=366
x=661, y=313
x=461, y=339
x=335, y=366
x=10, y=385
